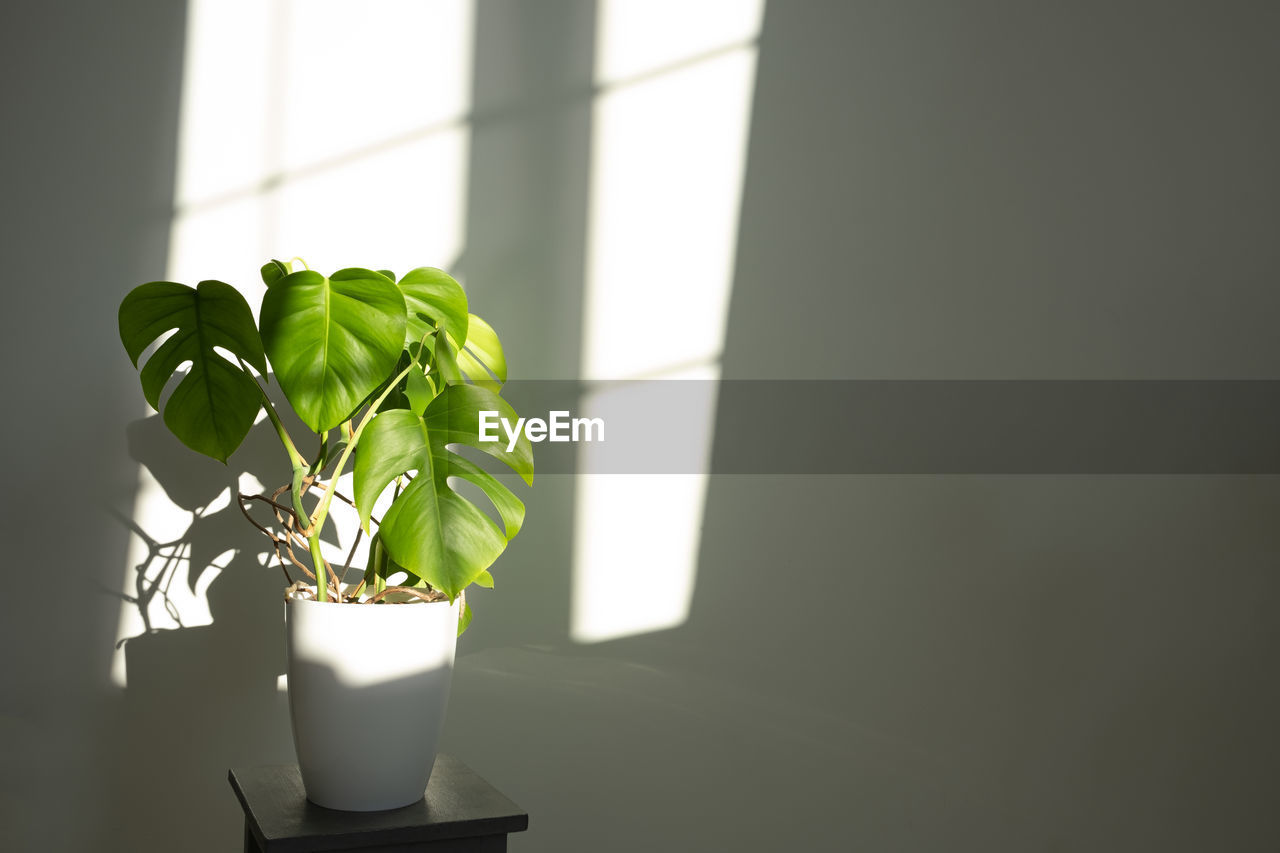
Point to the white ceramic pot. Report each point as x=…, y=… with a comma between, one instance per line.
x=368, y=689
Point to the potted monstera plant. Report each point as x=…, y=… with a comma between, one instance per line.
x=389, y=375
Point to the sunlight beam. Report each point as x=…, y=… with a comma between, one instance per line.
x=668, y=156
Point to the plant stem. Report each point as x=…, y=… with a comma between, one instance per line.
x=320, y=454
x=317, y=560
x=294, y=456
x=322, y=510
x=300, y=472
x=380, y=561
x=313, y=536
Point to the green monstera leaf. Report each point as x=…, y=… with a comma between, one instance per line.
x=430, y=529
x=332, y=341
x=469, y=350
x=213, y=407
x=273, y=271
x=482, y=355
x=433, y=299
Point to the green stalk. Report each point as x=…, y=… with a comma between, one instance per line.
x=320, y=454
x=300, y=471
x=294, y=456
x=313, y=541
x=380, y=574
x=317, y=560
x=322, y=510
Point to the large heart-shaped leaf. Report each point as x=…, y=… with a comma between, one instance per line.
x=430, y=529
x=213, y=407
x=434, y=299
x=332, y=341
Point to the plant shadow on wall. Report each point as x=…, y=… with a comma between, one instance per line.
x=173, y=572
x=197, y=689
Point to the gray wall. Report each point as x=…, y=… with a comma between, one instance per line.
x=934, y=190
x=88, y=149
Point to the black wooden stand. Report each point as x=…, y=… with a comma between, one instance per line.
x=461, y=813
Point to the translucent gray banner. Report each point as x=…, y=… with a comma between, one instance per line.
x=908, y=427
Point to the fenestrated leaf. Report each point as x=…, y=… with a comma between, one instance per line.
x=332, y=341
x=213, y=407
x=454, y=418
x=430, y=529
x=434, y=299
x=440, y=536
x=394, y=442
x=510, y=508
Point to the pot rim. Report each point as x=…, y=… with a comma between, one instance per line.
x=395, y=605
